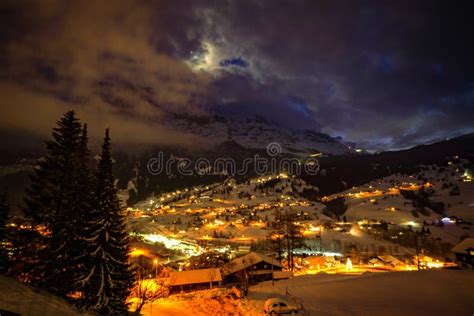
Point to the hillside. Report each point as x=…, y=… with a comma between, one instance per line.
x=21, y=299
x=343, y=172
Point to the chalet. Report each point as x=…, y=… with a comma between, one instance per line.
x=194, y=280
x=386, y=260
x=464, y=252
x=255, y=266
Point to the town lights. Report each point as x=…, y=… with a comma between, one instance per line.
x=138, y=252
x=467, y=176
x=448, y=220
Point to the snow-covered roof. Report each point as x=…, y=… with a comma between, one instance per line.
x=195, y=276
x=246, y=261
x=389, y=259
x=463, y=246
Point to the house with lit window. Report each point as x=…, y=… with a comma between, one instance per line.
x=183, y=281
x=387, y=261
x=464, y=252
x=254, y=266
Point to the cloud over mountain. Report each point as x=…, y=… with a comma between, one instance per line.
x=386, y=75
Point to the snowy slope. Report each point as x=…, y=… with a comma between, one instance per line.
x=21, y=299
x=441, y=292
x=381, y=199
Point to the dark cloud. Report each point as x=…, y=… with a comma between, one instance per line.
x=381, y=73
x=384, y=74
x=99, y=59
x=238, y=62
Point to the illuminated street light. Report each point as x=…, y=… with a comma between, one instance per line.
x=155, y=263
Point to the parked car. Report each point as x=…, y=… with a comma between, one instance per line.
x=276, y=306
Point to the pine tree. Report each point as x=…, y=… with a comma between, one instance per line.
x=4, y=211
x=109, y=279
x=57, y=199
x=293, y=236
x=84, y=197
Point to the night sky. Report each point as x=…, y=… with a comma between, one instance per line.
x=384, y=74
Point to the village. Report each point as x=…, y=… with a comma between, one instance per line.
x=232, y=236
x=245, y=248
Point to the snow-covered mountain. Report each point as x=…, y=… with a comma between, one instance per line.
x=256, y=132
x=216, y=126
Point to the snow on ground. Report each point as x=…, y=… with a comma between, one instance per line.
x=451, y=232
x=433, y=292
x=216, y=302
x=462, y=205
x=381, y=200
x=21, y=299
x=358, y=237
x=393, y=209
